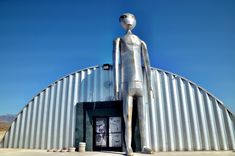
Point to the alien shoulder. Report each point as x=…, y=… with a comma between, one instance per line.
x=117, y=40
x=143, y=44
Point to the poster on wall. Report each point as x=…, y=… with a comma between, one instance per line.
x=101, y=126
x=115, y=140
x=114, y=124
x=115, y=129
x=101, y=140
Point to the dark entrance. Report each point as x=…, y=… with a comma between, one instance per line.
x=107, y=133
x=100, y=115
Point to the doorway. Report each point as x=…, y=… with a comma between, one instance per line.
x=107, y=133
x=105, y=115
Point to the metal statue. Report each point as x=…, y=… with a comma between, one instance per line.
x=128, y=53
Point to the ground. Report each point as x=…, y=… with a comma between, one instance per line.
x=21, y=152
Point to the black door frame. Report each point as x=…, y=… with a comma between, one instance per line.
x=85, y=111
x=107, y=148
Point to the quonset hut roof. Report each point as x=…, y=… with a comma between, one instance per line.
x=183, y=117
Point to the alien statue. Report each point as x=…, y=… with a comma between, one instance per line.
x=128, y=52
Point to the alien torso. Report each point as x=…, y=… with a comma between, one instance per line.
x=131, y=65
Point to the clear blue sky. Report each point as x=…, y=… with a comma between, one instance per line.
x=43, y=40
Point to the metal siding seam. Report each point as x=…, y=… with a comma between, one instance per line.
x=173, y=111
x=188, y=145
x=6, y=140
x=43, y=138
x=36, y=108
x=61, y=114
x=77, y=87
x=56, y=116
x=33, y=125
x=212, y=121
x=39, y=121
x=28, y=124
x=99, y=85
x=51, y=117
x=169, y=114
x=226, y=124
x=92, y=85
x=178, y=113
x=231, y=130
x=69, y=103
x=82, y=87
x=223, y=140
x=204, y=125
x=149, y=141
x=25, y=126
x=85, y=98
x=153, y=118
x=217, y=125
x=95, y=97
x=148, y=133
x=190, y=115
x=16, y=132
x=72, y=117
x=162, y=126
x=89, y=85
x=11, y=135
x=195, y=127
x=13, y=130
x=22, y=129
x=233, y=119
x=101, y=90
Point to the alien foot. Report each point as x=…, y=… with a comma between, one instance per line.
x=147, y=150
x=129, y=152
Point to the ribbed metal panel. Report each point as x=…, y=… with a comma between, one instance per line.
x=183, y=116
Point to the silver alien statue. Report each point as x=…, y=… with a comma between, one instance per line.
x=128, y=53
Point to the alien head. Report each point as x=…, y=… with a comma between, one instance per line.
x=127, y=21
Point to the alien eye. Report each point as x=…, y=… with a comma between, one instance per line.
x=123, y=16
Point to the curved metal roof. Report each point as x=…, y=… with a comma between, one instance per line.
x=184, y=116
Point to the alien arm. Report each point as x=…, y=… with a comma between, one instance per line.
x=146, y=64
x=116, y=62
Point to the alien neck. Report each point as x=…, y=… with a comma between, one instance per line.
x=128, y=31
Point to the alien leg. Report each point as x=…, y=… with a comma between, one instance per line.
x=142, y=125
x=127, y=115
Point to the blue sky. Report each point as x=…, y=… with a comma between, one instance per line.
x=41, y=41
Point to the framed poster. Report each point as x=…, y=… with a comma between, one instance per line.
x=115, y=129
x=101, y=130
x=101, y=140
x=115, y=140
x=107, y=133
x=115, y=124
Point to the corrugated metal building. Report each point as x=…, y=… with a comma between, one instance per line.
x=185, y=117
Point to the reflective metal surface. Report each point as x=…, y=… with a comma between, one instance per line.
x=128, y=53
x=187, y=117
